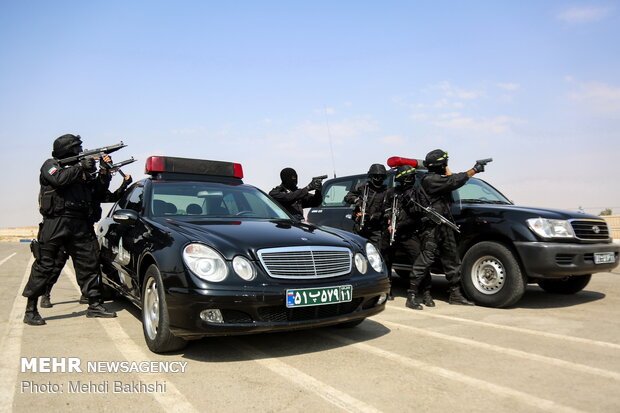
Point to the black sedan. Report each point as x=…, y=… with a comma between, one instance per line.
x=203, y=254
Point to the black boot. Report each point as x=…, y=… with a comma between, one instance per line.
x=45, y=298
x=32, y=316
x=95, y=309
x=427, y=300
x=390, y=296
x=456, y=297
x=83, y=300
x=413, y=300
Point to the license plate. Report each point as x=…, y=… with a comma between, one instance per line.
x=305, y=297
x=604, y=257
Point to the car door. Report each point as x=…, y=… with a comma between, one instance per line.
x=122, y=243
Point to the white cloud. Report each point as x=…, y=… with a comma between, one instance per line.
x=584, y=14
x=509, y=86
x=449, y=115
x=453, y=91
x=393, y=140
x=497, y=125
x=597, y=96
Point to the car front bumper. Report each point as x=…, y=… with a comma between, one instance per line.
x=558, y=260
x=263, y=309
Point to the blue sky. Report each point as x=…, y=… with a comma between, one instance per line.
x=533, y=84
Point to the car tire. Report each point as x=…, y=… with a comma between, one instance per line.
x=491, y=275
x=155, y=321
x=351, y=324
x=567, y=285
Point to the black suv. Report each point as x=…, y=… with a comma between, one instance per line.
x=503, y=246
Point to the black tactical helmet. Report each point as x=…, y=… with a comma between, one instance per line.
x=67, y=145
x=289, y=178
x=377, y=174
x=436, y=159
x=405, y=174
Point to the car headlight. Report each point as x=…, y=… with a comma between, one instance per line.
x=244, y=268
x=360, y=263
x=205, y=262
x=551, y=228
x=374, y=257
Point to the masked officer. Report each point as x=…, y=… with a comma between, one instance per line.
x=294, y=199
x=67, y=202
x=63, y=256
x=439, y=240
x=402, y=225
x=370, y=215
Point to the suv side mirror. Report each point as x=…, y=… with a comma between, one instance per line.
x=125, y=216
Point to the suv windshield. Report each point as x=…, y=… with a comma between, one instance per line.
x=478, y=191
x=212, y=199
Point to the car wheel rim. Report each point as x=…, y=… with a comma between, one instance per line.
x=151, y=309
x=488, y=275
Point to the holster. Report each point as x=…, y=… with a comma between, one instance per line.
x=35, y=247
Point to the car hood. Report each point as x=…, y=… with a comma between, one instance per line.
x=232, y=237
x=534, y=211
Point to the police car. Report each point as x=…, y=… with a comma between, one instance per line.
x=203, y=254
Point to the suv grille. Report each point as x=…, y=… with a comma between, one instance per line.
x=590, y=229
x=306, y=262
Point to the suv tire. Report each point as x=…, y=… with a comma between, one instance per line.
x=567, y=285
x=155, y=322
x=491, y=275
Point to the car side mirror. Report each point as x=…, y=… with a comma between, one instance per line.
x=125, y=216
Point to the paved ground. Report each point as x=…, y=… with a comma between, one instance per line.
x=548, y=353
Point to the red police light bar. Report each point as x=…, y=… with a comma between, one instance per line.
x=169, y=164
x=395, y=161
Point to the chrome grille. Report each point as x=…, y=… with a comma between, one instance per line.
x=590, y=229
x=306, y=262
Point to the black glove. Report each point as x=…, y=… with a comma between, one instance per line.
x=478, y=167
x=88, y=164
x=313, y=185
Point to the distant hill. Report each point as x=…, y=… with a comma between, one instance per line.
x=17, y=234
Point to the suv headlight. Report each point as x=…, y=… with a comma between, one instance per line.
x=551, y=228
x=374, y=258
x=205, y=262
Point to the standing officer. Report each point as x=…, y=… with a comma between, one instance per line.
x=294, y=199
x=403, y=223
x=439, y=240
x=62, y=257
x=67, y=203
x=370, y=213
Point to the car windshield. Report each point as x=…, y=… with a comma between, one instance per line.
x=212, y=199
x=478, y=191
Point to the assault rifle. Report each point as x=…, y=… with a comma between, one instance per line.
x=96, y=154
x=436, y=217
x=393, y=220
x=117, y=166
x=364, y=202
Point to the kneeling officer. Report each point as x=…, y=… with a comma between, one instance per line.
x=67, y=202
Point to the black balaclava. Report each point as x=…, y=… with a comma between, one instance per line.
x=67, y=145
x=377, y=174
x=405, y=175
x=289, y=178
x=436, y=161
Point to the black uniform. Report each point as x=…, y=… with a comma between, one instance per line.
x=63, y=256
x=67, y=201
x=439, y=240
x=294, y=199
x=375, y=222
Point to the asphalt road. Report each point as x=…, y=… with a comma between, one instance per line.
x=548, y=353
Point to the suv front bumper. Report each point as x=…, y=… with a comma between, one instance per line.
x=558, y=260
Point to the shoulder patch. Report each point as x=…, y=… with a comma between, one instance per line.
x=52, y=170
